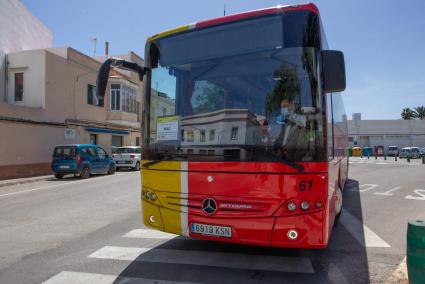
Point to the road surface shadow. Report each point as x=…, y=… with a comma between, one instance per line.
x=343, y=261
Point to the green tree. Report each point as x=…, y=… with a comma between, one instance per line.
x=408, y=114
x=420, y=112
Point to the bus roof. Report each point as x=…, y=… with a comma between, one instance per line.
x=236, y=17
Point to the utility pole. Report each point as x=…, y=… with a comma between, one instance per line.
x=224, y=10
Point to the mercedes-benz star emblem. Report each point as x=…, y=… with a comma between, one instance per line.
x=209, y=205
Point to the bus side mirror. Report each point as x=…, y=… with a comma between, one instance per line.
x=333, y=68
x=102, y=77
x=103, y=73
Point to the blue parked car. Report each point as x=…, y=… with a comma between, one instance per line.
x=81, y=159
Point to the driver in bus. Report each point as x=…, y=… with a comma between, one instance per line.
x=291, y=142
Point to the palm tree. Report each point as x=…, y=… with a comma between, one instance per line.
x=420, y=112
x=408, y=114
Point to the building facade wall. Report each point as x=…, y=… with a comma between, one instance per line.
x=19, y=30
x=401, y=133
x=59, y=103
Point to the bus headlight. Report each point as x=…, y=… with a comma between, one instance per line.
x=305, y=205
x=292, y=206
x=151, y=195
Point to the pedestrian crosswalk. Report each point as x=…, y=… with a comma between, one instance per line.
x=161, y=255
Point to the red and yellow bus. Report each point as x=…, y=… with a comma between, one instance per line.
x=244, y=129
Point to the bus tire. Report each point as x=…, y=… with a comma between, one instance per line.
x=338, y=205
x=58, y=176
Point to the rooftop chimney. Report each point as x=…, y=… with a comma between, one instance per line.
x=107, y=49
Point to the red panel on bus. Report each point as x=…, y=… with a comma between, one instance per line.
x=256, y=13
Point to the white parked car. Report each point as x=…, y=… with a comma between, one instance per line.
x=392, y=151
x=128, y=157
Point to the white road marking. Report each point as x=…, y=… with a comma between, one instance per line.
x=364, y=187
x=70, y=277
x=53, y=185
x=388, y=192
x=420, y=192
x=365, y=236
x=149, y=234
x=119, y=253
x=204, y=258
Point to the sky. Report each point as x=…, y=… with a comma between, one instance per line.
x=383, y=41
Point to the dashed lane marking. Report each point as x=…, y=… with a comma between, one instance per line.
x=70, y=277
x=365, y=236
x=206, y=258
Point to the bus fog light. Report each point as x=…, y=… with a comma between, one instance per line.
x=305, y=205
x=319, y=204
x=292, y=234
x=292, y=206
x=152, y=219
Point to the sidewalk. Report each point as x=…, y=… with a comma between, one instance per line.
x=9, y=182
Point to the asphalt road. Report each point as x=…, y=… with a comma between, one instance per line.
x=90, y=231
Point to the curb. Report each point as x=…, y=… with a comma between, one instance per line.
x=24, y=180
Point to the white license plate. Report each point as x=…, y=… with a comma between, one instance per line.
x=63, y=167
x=211, y=230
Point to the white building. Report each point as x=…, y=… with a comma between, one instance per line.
x=401, y=133
x=19, y=30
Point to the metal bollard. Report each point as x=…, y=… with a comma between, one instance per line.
x=395, y=158
x=423, y=159
x=408, y=158
x=368, y=156
x=385, y=157
x=376, y=157
x=416, y=251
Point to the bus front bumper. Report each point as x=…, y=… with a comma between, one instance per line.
x=299, y=231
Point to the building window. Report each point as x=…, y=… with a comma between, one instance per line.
x=212, y=135
x=115, y=97
x=19, y=87
x=190, y=136
x=137, y=141
x=182, y=135
x=234, y=133
x=93, y=139
x=116, y=141
x=164, y=111
x=202, y=137
x=92, y=98
x=350, y=139
x=123, y=98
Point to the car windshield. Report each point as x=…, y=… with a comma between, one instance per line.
x=65, y=151
x=256, y=98
x=127, y=150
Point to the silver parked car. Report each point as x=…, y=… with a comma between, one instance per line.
x=411, y=152
x=128, y=157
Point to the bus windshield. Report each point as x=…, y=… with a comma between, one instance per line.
x=245, y=91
